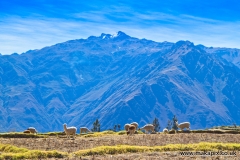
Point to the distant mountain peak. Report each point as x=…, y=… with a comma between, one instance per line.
x=188, y=43
x=105, y=36
x=183, y=44
x=118, y=34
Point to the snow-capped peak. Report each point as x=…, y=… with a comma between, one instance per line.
x=105, y=36
x=114, y=35
x=119, y=34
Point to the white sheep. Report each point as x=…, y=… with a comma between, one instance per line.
x=126, y=126
x=135, y=124
x=84, y=130
x=131, y=130
x=165, y=130
x=183, y=125
x=69, y=130
x=148, y=127
x=32, y=130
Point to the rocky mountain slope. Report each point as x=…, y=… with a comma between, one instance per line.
x=119, y=79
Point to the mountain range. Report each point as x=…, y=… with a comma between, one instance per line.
x=119, y=79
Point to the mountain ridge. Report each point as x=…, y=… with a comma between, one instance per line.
x=119, y=79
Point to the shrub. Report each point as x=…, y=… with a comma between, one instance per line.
x=156, y=124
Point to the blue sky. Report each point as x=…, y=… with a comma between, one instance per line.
x=34, y=24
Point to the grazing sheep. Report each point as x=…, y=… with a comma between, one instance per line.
x=148, y=127
x=84, y=130
x=131, y=130
x=69, y=130
x=135, y=124
x=32, y=130
x=126, y=126
x=165, y=130
x=183, y=125
x=26, y=131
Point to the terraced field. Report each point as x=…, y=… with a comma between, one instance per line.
x=138, y=146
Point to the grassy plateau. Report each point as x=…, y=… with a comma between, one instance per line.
x=118, y=145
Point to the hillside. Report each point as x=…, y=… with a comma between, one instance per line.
x=119, y=79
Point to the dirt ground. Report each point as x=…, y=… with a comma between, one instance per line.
x=70, y=145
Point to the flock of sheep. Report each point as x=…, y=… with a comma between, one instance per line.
x=130, y=129
x=72, y=130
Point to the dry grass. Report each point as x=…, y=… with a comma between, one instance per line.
x=120, y=149
x=86, y=142
x=13, y=152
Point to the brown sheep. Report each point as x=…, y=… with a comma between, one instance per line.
x=131, y=130
x=26, y=131
x=135, y=124
x=84, y=130
x=126, y=126
x=32, y=130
